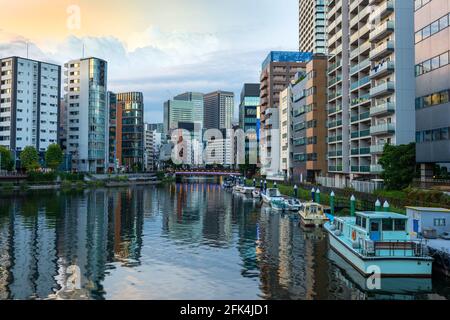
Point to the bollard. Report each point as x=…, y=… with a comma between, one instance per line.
x=254, y=183
x=386, y=206
x=313, y=194
x=261, y=185
x=318, y=195
x=352, y=206
x=275, y=185
x=295, y=191
x=378, y=206
x=332, y=196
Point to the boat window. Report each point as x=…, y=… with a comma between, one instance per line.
x=374, y=226
x=400, y=225
x=358, y=220
x=388, y=225
x=364, y=223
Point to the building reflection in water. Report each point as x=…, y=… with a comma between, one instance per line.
x=216, y=244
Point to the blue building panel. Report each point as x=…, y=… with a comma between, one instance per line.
x=287, y=56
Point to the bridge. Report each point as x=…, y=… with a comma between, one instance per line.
x=12, y=177
x=211, y=173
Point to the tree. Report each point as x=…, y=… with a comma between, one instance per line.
x=399, y=165
x=6, y=159
x=29, y=158
x=53, y=156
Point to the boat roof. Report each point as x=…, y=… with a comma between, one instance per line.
x=425, y=209
x=381, y=215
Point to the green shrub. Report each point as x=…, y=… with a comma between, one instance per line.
x=35, y=177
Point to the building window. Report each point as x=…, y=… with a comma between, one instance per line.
x=439, y=222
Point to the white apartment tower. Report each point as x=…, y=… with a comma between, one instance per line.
x=87, y=114
x=29, y=104
x=371, y=84
x=312, y=26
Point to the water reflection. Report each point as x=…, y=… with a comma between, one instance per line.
x=185, y=241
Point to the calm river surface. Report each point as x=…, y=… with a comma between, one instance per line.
x=186, y=241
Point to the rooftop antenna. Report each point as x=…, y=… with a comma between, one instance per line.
x=83, y=51
x=27, y=44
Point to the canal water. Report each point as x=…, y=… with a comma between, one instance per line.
x=185, y=241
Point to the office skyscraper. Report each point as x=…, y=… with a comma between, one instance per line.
x=87, y=114
x=432, y=26
x=218, y=110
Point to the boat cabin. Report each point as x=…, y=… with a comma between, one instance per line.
x=376, y=226
x=273, y=192
x=312, y=208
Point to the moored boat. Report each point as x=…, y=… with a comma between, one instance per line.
x=312, y=215
x=246, y=190
x=379, y=242
x=293, y=204
x=271, y=194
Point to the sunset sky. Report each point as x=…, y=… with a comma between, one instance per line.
x=161, y=48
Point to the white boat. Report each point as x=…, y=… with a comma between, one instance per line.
x=379, y=242
x=247, y=190
x=312, y=215
x=238, y=188
x=271, y=194
x=293, y=204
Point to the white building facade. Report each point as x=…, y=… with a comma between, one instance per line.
x=371, y=84
x=29, y=104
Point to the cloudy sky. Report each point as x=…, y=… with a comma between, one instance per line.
x=159, y=47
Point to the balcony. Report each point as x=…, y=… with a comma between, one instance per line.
x=377, y=149
x=360, y=169
x=382, y=51
x=382, y=129
x=335, y=168
x=359, y=117
x=383, y=11
x=333, y=139
x=382, y=31
x=362, y=99
x=334, y=109
x=334, y=124
x=383, y=89
x=360, y=83
x=334, y=66
x=388, y=107
x=377, y=169
x=336, y=153
x=382, y=70
x=334, y=80
x=360, y=66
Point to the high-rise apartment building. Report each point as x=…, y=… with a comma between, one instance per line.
x=312, y=26
x=29, y=104
x=277, y=72
x=87, y=114
x=432, y=38
x=371, y=84
x=249, y=118
x=218, y=110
